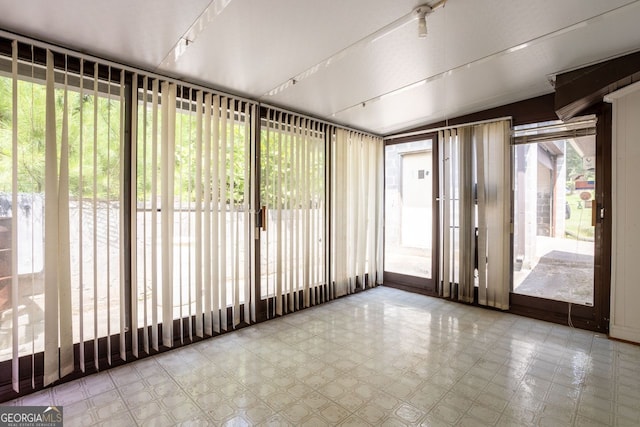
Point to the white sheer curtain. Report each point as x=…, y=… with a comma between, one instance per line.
x=356, y=210
x=59, y=203
x=293, y=256
x=193, y=218
x=475, y=191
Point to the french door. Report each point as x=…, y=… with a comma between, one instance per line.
x=411, y=214
x=291, y=256
x=560, y=228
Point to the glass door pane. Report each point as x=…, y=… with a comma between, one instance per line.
x=409, y=208
x=554, y=220
x=292, y=199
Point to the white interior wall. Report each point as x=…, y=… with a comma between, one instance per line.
x=625, y=280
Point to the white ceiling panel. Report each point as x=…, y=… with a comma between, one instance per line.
x=502, y=78
x=480, y=28
x=341, y=54
x=140, y=32
x=401, y=59
x=255, y=45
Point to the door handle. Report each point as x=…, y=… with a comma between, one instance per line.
x=263, y=218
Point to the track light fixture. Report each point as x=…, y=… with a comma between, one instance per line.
x=421, y=12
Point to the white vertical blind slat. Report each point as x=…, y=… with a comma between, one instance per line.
x=340, y=212
x=108, y=222
x=177, y=232
x=154, y=214
x=278, y=216
x=122, y=218
x=51, y=359
x=482, y=221
x=353, y=213
x=223, y=212
x=217, y=213
x=145, y=297
x=155, y=165
x=297, y=238
x=466, y=216
x=80, y=220
x=233, y=221
x=313, y=230
x=33, y=293
x=95, y=215
x=507, y=220
x=15, y=338
x=190, y=226
x=446, y=186
x=167, y=183
x=248, y=203
x=253, y=142
x=133, y=221
x=210, y=228
x=290, y=129
x=327, y=249
x=64, y=244
x=380, y=216
x=306, y=210
x=361, y=216
x=201, y=264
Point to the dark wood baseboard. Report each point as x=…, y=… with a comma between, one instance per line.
x=414, y=289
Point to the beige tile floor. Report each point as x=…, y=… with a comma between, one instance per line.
x=381, y=357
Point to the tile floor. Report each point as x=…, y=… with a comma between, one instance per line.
x=381, y=357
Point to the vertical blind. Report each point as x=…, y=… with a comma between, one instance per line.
x=60, y=201
x=356, y=210
x=293, y=255
x=494, y=213
x=475, y=196
x=193, y=217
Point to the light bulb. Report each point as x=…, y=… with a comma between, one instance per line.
x=422, y=26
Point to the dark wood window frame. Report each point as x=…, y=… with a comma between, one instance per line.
x=403, y=281
x=541, y=109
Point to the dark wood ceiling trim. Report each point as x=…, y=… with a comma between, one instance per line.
x=580, y=89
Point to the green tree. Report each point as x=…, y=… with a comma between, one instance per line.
x=31, y=108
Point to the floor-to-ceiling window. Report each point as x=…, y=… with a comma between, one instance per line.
x=193, y=212
x=60, y=207
x=559, y=176
x=554, y=219
x=129, y=214
x=292, y=212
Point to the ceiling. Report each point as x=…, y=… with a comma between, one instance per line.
x=345, y=61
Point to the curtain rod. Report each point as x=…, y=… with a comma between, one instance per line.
x=60, y=49
x=307, y=116
x=431, y=130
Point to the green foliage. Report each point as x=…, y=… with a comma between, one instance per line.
x=575, y=168
x=95, y=154
x=292, y=170
x=185, y=159
x=84, y=172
